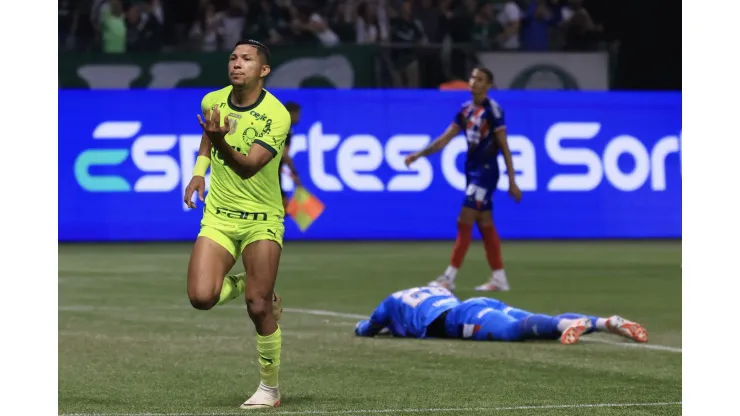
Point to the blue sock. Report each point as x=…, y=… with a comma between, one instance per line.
x=579, y=316
x=539, y=327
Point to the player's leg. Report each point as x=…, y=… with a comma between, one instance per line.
x=614, y=324
x=539, y=326
x=498, y=305
x=212, y=257
x=261, y=257
x=492, y=244
x=468, y=216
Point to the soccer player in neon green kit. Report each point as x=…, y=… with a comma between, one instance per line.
x=244, y=131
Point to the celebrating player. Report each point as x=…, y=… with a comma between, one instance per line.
x=434, y=312
x=295, y=117
x=244, y=129
x=482, y=120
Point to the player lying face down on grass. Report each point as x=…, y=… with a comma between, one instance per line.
x=244, y=131
x=434, y=312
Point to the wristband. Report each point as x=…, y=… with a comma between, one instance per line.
x=201, y=166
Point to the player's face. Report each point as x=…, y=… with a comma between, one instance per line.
x=295, y=117
x=245, y=65
x=478, y=82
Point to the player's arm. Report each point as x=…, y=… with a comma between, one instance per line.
x=204, y=157
x=260, y=153
x=497, y=122
x=285, y=158
x=204, y=151
x=377, y=322
x=438, y=144
x=244, y=166
x=197, y=183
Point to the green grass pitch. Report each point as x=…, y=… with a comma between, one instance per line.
x=129, y=342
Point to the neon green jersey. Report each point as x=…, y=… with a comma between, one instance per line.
x=265, y=123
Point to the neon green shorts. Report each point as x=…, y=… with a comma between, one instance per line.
x=236, y=234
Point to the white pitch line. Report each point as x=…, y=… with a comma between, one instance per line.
x=320, y=312
x=630, y=345
x=413, y=410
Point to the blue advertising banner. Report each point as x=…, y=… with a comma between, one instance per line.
x=590, y=165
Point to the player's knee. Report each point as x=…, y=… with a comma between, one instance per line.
x=259, y=306
x=202, y=300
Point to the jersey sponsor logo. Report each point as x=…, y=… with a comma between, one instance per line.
x=241, y=215
x=257, y=116
x=360, y=155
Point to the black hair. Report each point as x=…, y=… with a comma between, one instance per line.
x=486, y=71
x=292, y=106
x=262, y=50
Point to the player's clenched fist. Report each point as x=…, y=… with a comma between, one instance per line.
x=212, y=125
x=196, y=185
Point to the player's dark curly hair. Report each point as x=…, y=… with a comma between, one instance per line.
x=292, y=106
x=262, y=50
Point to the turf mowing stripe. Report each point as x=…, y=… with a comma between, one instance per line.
x=380, y=411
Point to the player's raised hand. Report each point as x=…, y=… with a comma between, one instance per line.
x=515, y=192
x=212, y=125
x=411, y=159
x=197, y=185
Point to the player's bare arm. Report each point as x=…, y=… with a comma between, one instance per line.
x=289, y=163
x=244, y=166
x=514, y=190
x=198, y=181
x=438, y=144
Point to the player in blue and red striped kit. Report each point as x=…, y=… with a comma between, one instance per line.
x=482, y=121
x=434, y=312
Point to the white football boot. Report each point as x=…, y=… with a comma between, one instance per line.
x=265, y=397
x=628, y=329
x=443, y=281
x=497, y=283
x=573, y=333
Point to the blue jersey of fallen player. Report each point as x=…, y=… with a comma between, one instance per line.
x=408, y=313
x=480, y=124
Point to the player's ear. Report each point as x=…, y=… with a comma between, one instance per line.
x=265, y=71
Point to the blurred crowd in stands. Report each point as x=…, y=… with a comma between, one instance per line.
x=407, y=26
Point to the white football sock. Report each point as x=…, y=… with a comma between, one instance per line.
x=451, y=272
x=601, y=324
x=499, y=276
x=564, y=324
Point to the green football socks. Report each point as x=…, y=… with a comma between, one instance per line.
x=234, y=286
x=268, y=348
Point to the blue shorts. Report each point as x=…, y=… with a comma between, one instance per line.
x=479, y=191
x=479, y=320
